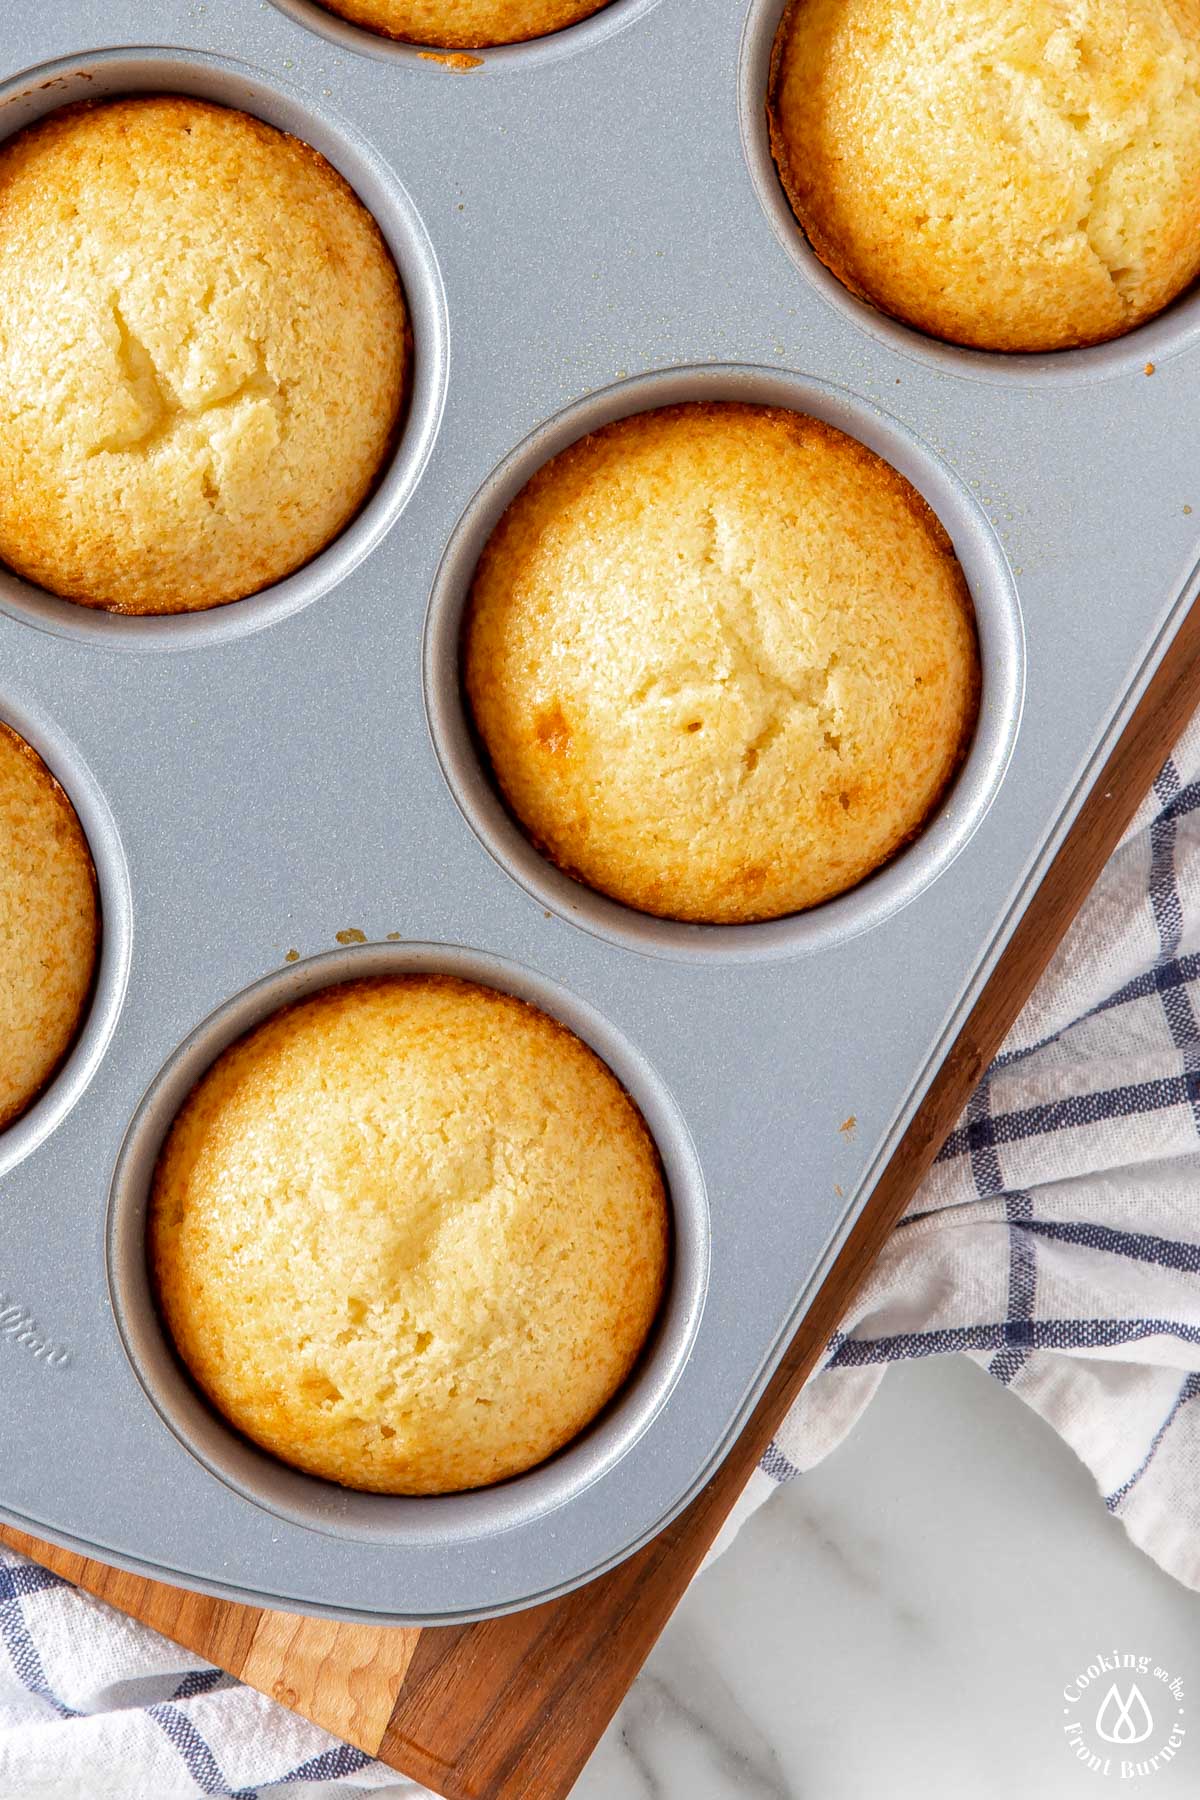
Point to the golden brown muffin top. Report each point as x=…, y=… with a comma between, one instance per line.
x=722, y=659
x=1006, y=174
x=409, y=1234
x=49, y=925
x=464, y=24
x=203, y=353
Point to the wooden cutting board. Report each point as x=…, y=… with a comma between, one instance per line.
x=513, y=1707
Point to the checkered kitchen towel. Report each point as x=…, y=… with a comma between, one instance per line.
x=1057, y=1241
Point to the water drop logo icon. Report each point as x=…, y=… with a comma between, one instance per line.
x=1117, y=1736
x=1124, y=1721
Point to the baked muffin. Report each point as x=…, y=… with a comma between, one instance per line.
x=1007, y=174
x=49, y=925
x=203, y=354
x=722, y=659
x=409, y=1234
x=464, y=24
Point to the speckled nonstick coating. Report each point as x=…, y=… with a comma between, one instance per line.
x=586, y=225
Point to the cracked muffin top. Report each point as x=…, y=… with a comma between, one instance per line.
x=49, y=925
x=409, y=1234
x=722, y=659
x=203, y=354
x=1005, y=174
x=464, y=24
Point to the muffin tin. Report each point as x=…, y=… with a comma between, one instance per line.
x=586, y=226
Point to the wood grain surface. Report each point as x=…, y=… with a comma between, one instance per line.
x=512, y=1708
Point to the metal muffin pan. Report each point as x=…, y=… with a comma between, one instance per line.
x=585, y=226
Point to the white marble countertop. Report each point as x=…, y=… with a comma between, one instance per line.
x=900, y=1623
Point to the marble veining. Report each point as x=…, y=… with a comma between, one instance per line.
x=899, y=1624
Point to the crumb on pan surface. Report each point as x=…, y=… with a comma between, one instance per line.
x=464, y=24
x=409, y=1234
x=456, y=60
x=49, y=925
x=203, y=354
x=1014, y=175
x=722, y=659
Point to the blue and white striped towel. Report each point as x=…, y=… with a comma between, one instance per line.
x=1057, y=1241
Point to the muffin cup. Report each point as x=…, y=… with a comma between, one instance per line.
x=431, y=59
x=958, y=814
x=105, y=74
x=1174, y=329
x=36, y=1123
x=307, y=1499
